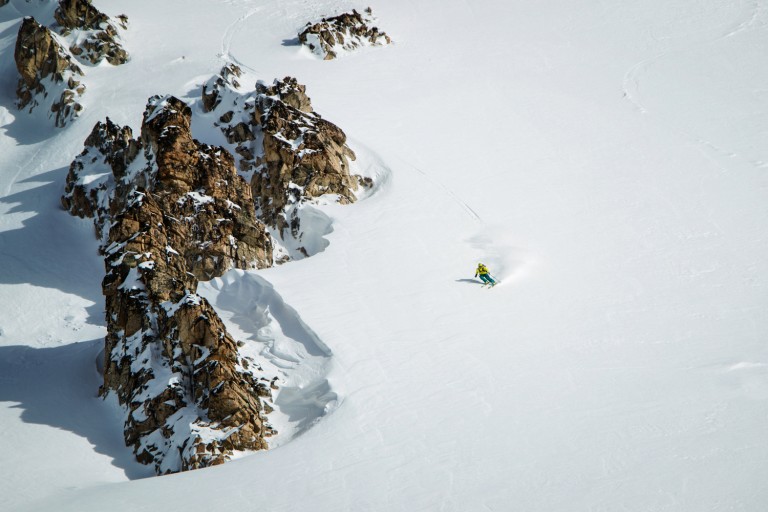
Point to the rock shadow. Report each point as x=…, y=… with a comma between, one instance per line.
x=58, y=387
x=52, y=249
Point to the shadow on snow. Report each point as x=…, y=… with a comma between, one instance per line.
x=52, y=249
x=58, y=387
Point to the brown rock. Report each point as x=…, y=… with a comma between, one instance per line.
x=304, y=157
x=98, y=36
x=179, y=215
x=80, y=14
x=110, y=145
x=289, y=91
x=289, y=152
x=46, y=70
x=212, y=91
x=346, y=31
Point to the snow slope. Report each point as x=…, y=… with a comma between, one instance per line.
x=607, y=161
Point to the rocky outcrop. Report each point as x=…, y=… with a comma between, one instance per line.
x=304, y=156
x=290, y=154
x=49, y=75
x=97, y=35
x=170, y=212
x=109, y=150
x=47, y=61
x=345, y=32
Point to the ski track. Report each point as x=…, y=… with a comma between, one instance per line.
x=229, y=34
x=631, y=85
x=631, y=81
x=467, y=209
x=757, y=11
x=506, y=260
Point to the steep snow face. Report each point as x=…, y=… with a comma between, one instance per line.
x=605, y=160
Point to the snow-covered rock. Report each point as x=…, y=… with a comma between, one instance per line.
x=171, y=211
x=49, y=76
x=94, y=35
x=332, y=36
x=48, y=58
x=288, y=152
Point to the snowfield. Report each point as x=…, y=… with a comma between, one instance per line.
x=606, y=160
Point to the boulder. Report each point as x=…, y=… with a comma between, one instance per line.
x=345, y=32
x=48, y=74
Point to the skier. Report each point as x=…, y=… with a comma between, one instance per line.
x=485, y=276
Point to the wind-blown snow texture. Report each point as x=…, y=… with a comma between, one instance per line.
x=606, y=160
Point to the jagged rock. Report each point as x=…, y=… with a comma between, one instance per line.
x=205, y=186
x=212, y=90
x=98, y=35
x=304, y=156
x=290, y=154
x=48, y=74
x=109, y=149
x=342, y=33
x=171, y=211
x=290, y=92
x=73, y=14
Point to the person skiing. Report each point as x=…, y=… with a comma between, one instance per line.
x=484, y=274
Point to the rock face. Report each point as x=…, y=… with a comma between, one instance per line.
x=345, y=32
x=290, y=154
x=97, y=34
x=48, y=74
x=48, y=61
x=171, y=211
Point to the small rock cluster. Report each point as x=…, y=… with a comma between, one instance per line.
x=344, y=32
x=97, y=34
x=170, y=212
x=288, y=152
x=47, y=59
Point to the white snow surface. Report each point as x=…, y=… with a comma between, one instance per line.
x=606, y=160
